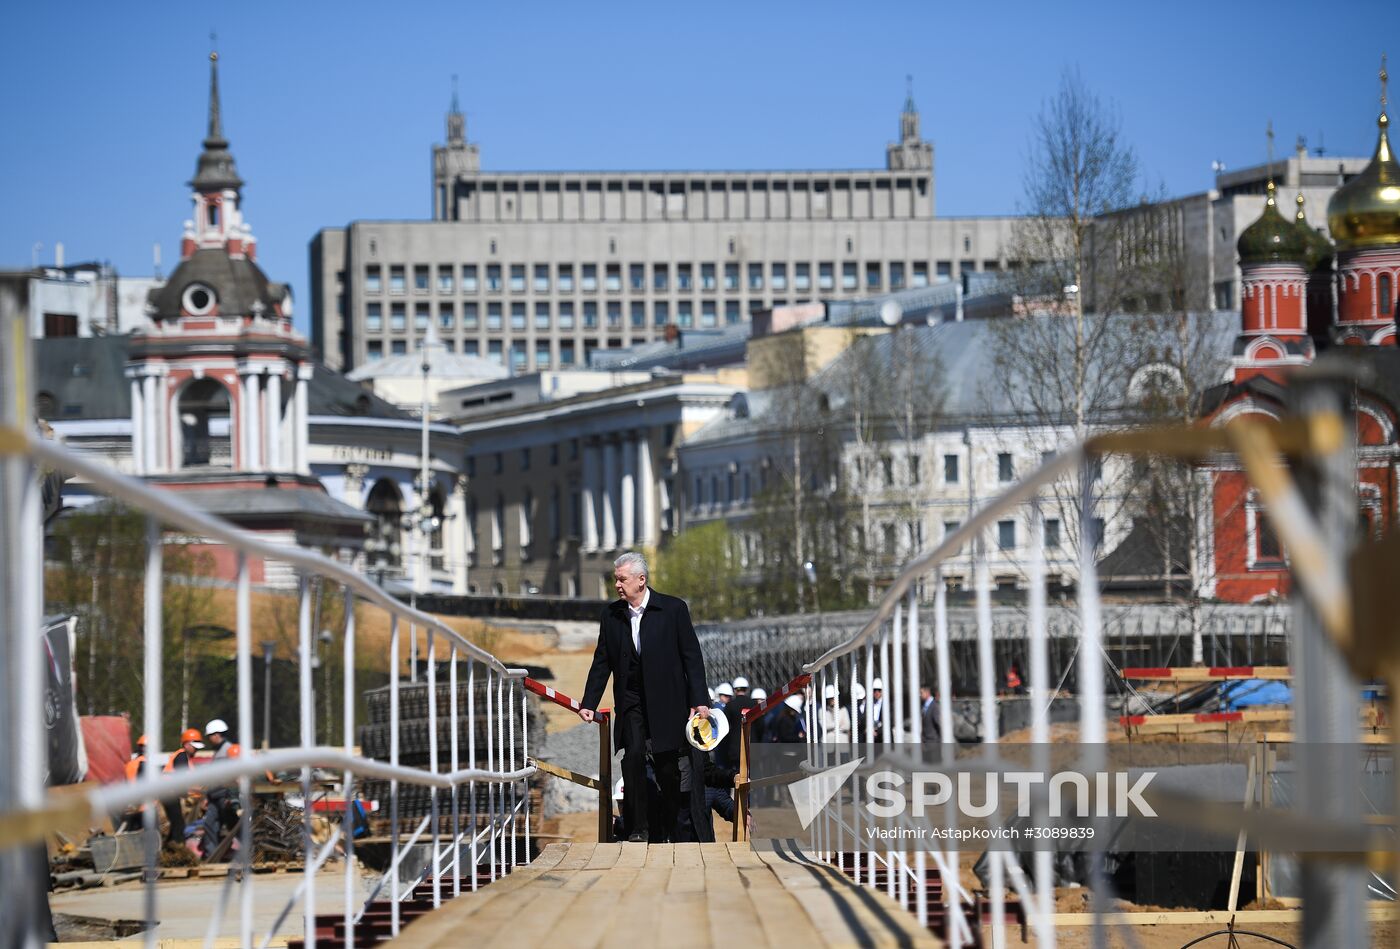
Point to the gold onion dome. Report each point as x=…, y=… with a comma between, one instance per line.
x=1272, y=237
x=1365, y=212
x=1319, y=247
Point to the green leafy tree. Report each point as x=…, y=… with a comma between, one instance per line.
x=702, y=566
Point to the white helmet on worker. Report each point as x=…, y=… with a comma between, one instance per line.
x=740, y=682
x=793, y=702
x=758, y=695
x=829, y=692
x=877, y=685
x=858, y=691
x=216, y=726
x=724, y=688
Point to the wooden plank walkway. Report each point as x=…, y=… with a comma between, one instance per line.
x=690, y=895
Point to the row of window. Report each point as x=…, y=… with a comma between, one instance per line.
x=547, y=316
x=547, y=278
x=952, y=464
x=497, y=351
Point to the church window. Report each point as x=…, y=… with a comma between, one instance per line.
x=213, y=215
x=1387, y=294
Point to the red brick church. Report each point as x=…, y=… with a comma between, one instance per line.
x=1303, y=294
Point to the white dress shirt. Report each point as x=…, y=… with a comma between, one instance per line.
x=634, y=613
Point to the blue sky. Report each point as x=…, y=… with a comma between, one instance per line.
x=332, y=108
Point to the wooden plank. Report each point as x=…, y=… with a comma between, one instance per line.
x=741, y=852
x=659, y=856
x=604, y=856
x=594, y=912
x=638, y=916
x=632, y=856
x=687, y=855
x=716, y=854
x=1375, y=914
x=578, y=856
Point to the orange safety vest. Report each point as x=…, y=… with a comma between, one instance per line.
x=1013, y=681
x=133, y=767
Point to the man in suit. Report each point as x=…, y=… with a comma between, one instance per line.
x=928, y=715
x=648, y=645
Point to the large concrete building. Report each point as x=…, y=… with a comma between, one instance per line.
x=536, y=270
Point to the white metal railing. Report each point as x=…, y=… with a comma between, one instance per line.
x=888, y=647
x=27, y=814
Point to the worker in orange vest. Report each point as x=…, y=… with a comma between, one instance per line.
x=132, y=821
x=1014, y=685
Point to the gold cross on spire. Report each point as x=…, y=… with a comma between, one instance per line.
x=1269, y=134
x=213, y=45
x=1384, y=77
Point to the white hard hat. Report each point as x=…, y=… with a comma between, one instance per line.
x=740, y=682
x=758, y=695
x=878, y=684
x=724, y=688
x=216, y=727
x=829, y=692
x=705, y=732
x=858, y=691
x=793, y=702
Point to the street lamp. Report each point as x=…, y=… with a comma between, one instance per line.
x=268, y=647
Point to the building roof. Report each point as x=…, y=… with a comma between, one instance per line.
x=238, y=283
x=691, y=349
x=957, y=365
x=86, y=378
x=445, y=366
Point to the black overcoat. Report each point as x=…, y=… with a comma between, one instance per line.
x=673, y=670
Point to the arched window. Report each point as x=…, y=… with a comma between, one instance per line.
x=386, y=504
x=213, y=215
x=1386, y=290
x=204, y=425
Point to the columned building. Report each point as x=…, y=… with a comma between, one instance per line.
x=536, y=270
x=559, y=485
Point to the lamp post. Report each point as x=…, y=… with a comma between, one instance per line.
x=268, y=647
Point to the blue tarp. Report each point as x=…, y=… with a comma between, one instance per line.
x=1248, y=693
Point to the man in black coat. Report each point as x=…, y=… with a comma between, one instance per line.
x=648, y=645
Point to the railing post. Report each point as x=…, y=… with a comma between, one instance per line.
x=308, y=740
x=394, y=760
x=741, y=790
x=433, y=767
x=348, y=714
x=491, y=763
x=455, y=718
x=471, y=759
x=244, y=660
x=525, y=759
x=154, y=675
x=605, y=814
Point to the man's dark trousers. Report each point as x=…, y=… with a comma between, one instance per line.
x=665, y=765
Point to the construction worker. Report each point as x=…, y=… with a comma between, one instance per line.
x=221, y=809
x=174, y=814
